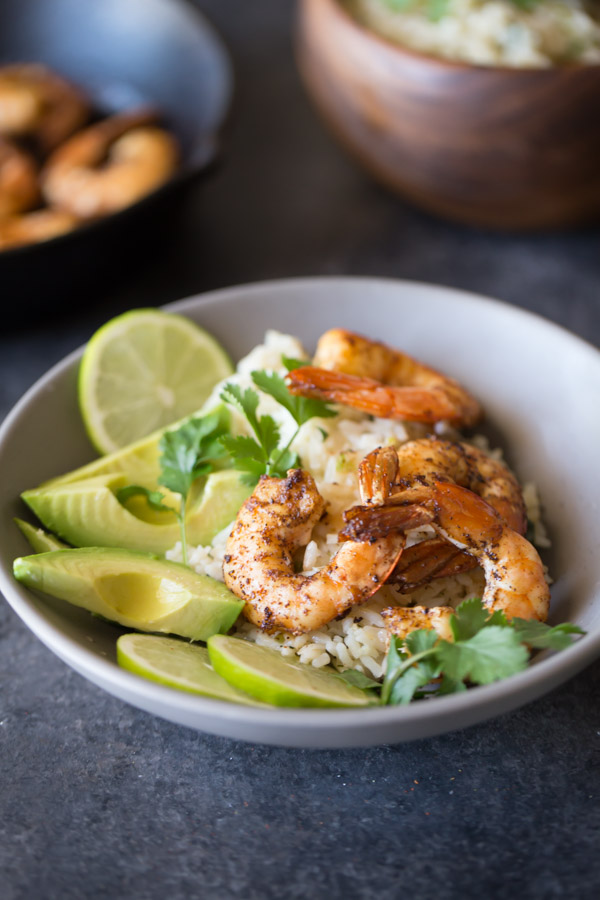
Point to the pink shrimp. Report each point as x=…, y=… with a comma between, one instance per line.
x=275, y=521
x=377, y=379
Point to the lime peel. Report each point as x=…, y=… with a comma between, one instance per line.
x=144, y=370
x=267, y=675
x=185, y=667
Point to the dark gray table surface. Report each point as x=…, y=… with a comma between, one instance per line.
x=100, y=800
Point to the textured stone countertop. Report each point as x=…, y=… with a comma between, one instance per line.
x=100, y=800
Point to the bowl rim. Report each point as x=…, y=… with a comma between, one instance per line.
x=209, y=143
x=338, y=9
x=498, y=697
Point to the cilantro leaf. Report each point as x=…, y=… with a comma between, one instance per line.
x=359, y=680
x=421, y=640
x=188, y=452
x=264, y=455
x=153, y=498
x=300, y=408
x=290, y=363
x=470, y=616
x=286, y=460
x=250, y=458
x=486, y=648
x=407, y=684
x=540, y=636
x=493, y=653
x=245, y=401
x=449, y=686
x=268, y=434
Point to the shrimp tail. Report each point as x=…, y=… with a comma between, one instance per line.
x=371, y=523
x=429, y=559
x=415, y=404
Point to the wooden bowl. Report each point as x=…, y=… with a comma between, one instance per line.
x=498, y=147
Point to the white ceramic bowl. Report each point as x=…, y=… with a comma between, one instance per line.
x=539, y=386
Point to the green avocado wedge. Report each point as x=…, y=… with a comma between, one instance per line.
x=88, y=514
x=133, y=589
x=39, y=540
x=139, y=461
x=272, y=678
x=185, y=667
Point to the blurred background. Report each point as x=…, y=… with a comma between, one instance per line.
x=281, y=198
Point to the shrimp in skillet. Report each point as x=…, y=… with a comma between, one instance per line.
x=514, y=573
x=37, y=103
x=275, y=522
x=377, y=379
x=420, y=463
x=109, y=166
x=32, y=227
x=18, y=181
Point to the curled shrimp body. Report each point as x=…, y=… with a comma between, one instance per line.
x=275, y=522
x=387, y=473
x=18, y=181
x=32, y=227
x=377, y=379
x=514, y=574
x=36, y=102
x=109, y=166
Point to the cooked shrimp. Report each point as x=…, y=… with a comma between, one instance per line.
x=514, y=573
x=417, y=465
x=382, y=381
x=109, y=165
x=275, y=522
x=400, y=620
x=32, y=227
x=18, y=182
x=36, y=102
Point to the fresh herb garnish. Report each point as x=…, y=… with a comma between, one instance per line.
x=187, y=453
x=263, y=453
x=437, y=9
x=486, y=648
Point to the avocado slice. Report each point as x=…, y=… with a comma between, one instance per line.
x=138, y=461
x=133, y=589
x=87, y=513
x=39, y=540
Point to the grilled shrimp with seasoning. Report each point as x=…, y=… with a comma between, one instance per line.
x=274, y=523
x=514, y=574
x=37, y=103
x=110, y=165
x=370, y=376
x=420, y=463
x=18, y=180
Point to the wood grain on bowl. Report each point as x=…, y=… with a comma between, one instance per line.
x=498, y=147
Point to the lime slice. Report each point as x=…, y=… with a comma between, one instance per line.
x=270, y=677
x=144, y=370
x=176, y=664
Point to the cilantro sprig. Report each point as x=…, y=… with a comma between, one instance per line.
x=437, y=9
x=264, y=454
x=187, y=453
x=486, y=648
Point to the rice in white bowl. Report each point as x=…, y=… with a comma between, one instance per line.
x=538, y=34
x=331, y=450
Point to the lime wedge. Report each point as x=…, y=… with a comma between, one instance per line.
x=176, y=664
x=144, y=370
x=270, y=677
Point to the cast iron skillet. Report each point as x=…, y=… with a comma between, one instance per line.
x=123, y=53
